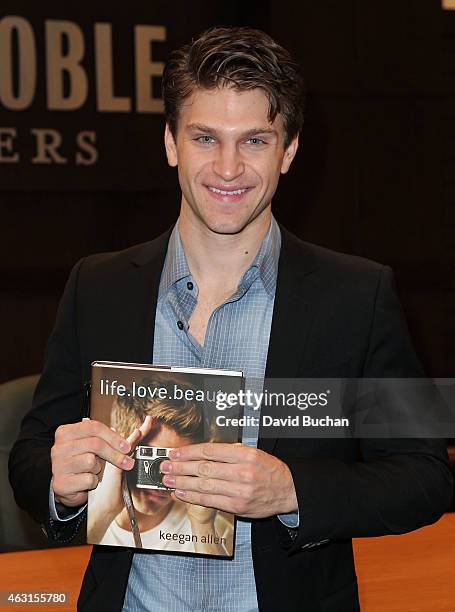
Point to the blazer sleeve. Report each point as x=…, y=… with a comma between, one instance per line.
x=58, y=400
x=399, y=484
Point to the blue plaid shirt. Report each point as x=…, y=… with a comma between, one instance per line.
x=237, y=338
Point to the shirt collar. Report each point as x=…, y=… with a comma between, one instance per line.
x=267, y=257
x=175, y=266
x=266, y=260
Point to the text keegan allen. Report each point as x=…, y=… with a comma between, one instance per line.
x=181, y=538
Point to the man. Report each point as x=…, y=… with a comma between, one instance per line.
x=230, y=289
x=161, y=423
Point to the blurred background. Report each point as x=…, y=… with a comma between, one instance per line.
x=82, y=166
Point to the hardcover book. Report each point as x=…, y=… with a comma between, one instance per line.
x=170, y=407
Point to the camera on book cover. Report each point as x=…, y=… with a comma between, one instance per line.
x=147, y=473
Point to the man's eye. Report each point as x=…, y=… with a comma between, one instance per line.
x=255, y=141
x=206, y=139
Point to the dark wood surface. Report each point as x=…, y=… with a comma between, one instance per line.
x=410, y=573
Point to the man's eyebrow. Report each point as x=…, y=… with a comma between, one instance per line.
x=200, y=127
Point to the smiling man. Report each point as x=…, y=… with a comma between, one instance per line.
x=229, y=288
x=229, y=158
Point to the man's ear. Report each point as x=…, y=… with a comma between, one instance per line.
x=171, y=149
x=289, y=154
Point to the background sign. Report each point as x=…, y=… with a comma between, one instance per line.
x=80, y=92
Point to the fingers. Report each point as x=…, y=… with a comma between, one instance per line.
x=210, y=486
x=216, y=476
x=89, y=428
x=140, y=433
x=216, y=451
x=76, y=447
x=95, y=445
x=87, y=462
x=146, y=426
x=134, y=438
x=71, y=484
x=78, y=456
x=205, y=469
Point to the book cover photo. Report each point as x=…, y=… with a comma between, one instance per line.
x=171, y=407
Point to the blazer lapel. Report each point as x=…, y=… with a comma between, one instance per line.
x=292, y=316
x=139, y=300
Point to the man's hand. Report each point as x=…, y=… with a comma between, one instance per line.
x=232, y=477
x=107, y=501
x=107, y=498
x=78, y=456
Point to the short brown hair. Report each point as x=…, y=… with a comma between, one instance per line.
x=184, y=416
x=242, y=58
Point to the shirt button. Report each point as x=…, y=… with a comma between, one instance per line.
x=190, y=285
x=179, y=324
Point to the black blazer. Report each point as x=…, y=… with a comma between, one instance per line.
x=334, y=316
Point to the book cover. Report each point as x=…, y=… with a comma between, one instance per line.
x=172, y=407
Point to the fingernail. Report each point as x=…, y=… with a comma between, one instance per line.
x=180, y=493
x=166, y=467
x=169, y=481
x=127, y=462
x=174, y=454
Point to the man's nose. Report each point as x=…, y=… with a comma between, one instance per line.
x=228, y=163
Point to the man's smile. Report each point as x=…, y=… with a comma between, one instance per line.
x=233, y=194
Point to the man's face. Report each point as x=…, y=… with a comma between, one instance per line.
x=152, y=501
x=229, y=158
